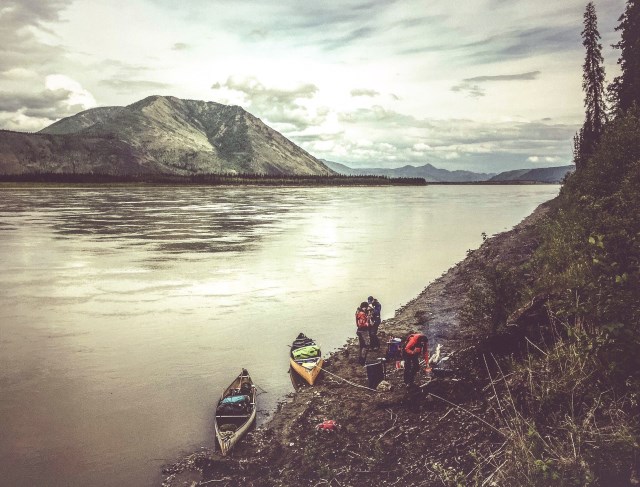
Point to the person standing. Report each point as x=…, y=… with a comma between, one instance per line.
x=375, y=310
x=416, y=346
x=362, y=330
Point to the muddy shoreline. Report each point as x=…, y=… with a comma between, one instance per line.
x=420, y=436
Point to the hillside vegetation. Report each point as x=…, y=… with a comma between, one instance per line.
x=540, y=175
x=568, y=403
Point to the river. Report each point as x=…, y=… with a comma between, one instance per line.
x=125, y=311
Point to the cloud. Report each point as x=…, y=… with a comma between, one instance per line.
x=395, y=139
x=471, y=86
x=524, y=43
x=349, y=37
x=280, y=106
x=129, y=85
x=471, y=90
x=19, y=22
x=504, y=77
x=25, y=60
x=379, y=116
x=78, y=96
x=551, y=30
x=364, y=92
x=129, y=78
x=61, y=97
x=259, y=34
x=180, y=46
x=544, y=160
x=13, y=102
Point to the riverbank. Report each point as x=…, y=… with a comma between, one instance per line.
x=429, y=435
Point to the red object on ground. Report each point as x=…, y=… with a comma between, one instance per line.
x=328, y=425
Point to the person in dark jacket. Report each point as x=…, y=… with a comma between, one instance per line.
x=416, y=347
x=375, y=309
x=362, y=330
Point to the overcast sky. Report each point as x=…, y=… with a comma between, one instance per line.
x=484, y=85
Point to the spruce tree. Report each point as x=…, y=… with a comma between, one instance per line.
x=625, y=89
x=593, y=87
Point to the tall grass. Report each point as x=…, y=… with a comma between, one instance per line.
x=564, y=424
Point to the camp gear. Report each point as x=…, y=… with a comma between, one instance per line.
x=306, y=352
x=235, y=412
x=394, y=349
x=305, y=361
x=238, y=404
x=235, y=399
x=302, y=341
x=327, y=425
x=362, y=320
x=375, y=373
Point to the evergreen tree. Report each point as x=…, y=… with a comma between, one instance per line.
x=625, y=89
x=593, y=87
x=577, y=148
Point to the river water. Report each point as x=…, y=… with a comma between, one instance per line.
x=125, y=311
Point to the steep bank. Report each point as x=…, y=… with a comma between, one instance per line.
x=426, y=436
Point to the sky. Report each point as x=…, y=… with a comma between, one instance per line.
x=480, y=85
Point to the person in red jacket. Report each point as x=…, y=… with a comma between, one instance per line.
x=416, y=347
x=362, y=330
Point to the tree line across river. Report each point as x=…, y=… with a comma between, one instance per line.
x=212, y=179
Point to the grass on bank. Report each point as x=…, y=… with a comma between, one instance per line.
x=568, y=407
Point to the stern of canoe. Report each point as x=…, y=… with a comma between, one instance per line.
x=309, y=371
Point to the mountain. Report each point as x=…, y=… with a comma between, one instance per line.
x=157, y=135
x=82, y=120
x=539, y=175
x=428, y=172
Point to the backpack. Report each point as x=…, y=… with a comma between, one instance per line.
x=306, y=352
x=234, y=405
x=394, y=349
x=362, y=320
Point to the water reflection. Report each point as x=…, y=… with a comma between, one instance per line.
x=168, y=220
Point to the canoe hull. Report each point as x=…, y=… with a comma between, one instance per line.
x=308, y=374
x=228, y=439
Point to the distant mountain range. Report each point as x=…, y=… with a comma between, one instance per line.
x=430, y=173
x=435, y=175
x=157, y=135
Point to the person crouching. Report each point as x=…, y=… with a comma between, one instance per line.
x=416, y=346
